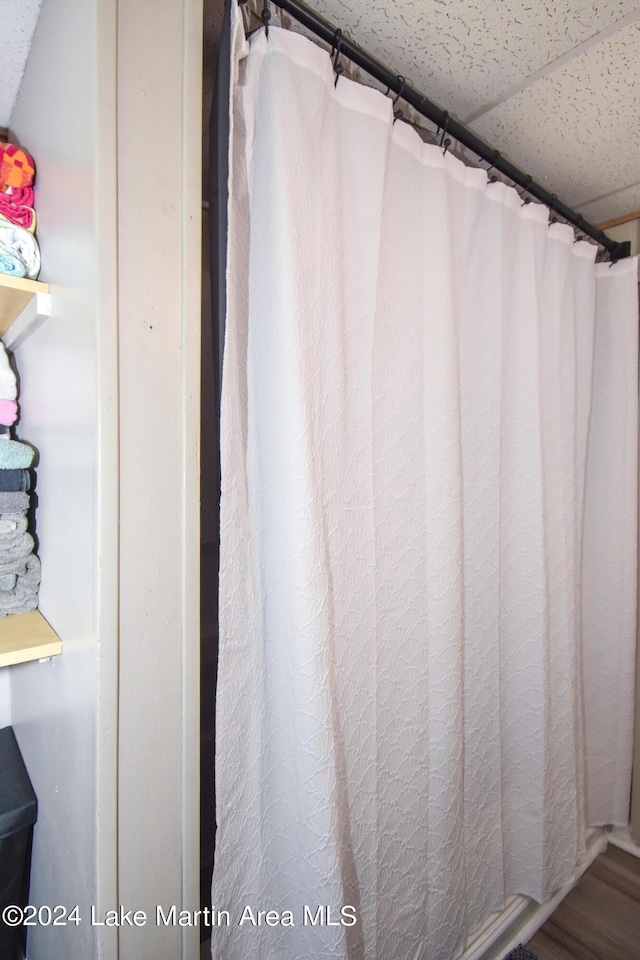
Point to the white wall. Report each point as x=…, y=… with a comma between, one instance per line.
x=5, y=699
x=60, y=709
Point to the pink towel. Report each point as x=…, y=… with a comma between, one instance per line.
x=20, y=215
x=8, y=412
x=23, y=196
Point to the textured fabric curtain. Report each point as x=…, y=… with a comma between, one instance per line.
x=427, y=585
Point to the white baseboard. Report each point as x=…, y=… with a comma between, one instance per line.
x=524, y=917
x=621, y=837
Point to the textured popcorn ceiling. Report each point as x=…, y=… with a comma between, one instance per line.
x=18, y=20
x=579, y=128
x=554, y=85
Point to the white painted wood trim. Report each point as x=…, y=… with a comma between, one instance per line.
x=634, y=814
x=159, y=216
x=191, y=413
x=108, y=480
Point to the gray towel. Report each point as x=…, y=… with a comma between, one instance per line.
x=15, y=548
x=24, y=596
x=18, y=567
x=12, y=525
x=14, y=502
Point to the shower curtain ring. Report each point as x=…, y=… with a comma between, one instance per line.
x=525, y=187
x=266, y=16
x=398, y=114
x=336, y=46
x=494, y=160
x=401, y=91
x=445, y=128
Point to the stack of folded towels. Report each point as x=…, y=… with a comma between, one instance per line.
x=19, y=251
x=19, y=566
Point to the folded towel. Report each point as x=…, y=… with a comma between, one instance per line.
x=17, y=213
x=17, y=168
x=10, y=263
x=14, y=502
x=24, y=596
x=17, y=549
x=12, y=525
x=12, y=481
x=14, y=540
x=11, y=567
x=23, y=196
x=8, y=412
x=15, y=455
x=19, y=242
x=8, y=383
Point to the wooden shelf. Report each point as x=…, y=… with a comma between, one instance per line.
x=24, y=304
x=26, y=636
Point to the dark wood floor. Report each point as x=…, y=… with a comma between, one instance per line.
x=600, y=919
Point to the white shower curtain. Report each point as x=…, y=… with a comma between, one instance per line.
x=427, y=583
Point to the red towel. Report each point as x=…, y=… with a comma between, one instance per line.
x=17, y=168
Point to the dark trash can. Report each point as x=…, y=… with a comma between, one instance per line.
x=18, y=813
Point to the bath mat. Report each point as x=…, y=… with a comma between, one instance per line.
x=521, y=953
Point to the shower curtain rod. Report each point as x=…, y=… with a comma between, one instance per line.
x=345, y=47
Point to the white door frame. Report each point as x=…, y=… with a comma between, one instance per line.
x=159, y=109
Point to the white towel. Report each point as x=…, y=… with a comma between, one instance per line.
x=8, y=386
x=21, y=244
